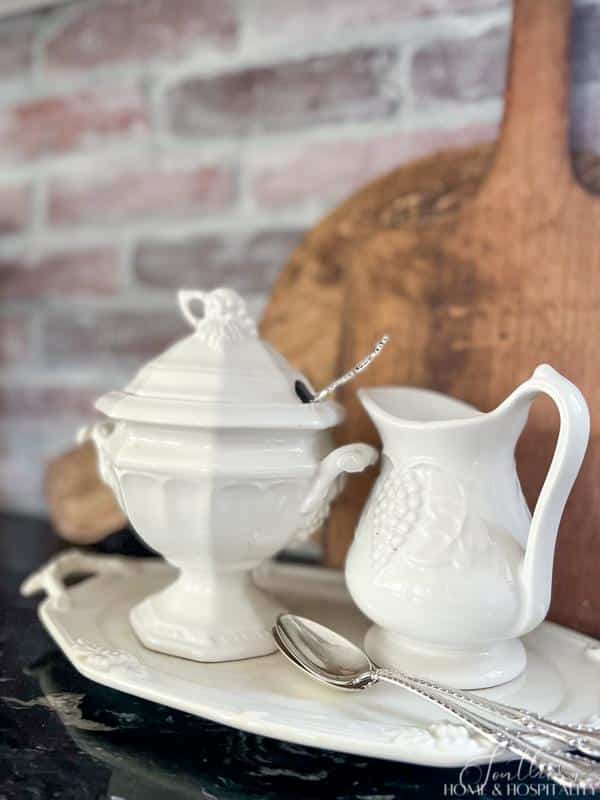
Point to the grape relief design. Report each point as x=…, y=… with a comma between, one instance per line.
x=419, y=518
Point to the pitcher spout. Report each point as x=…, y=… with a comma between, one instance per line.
x=410, y=408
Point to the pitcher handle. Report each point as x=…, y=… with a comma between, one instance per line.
x=570, y=449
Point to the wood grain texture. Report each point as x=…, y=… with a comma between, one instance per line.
x=480, y=264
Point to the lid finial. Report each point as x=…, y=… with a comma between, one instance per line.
x=225, y=319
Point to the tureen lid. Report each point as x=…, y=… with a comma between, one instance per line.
x=223, y=374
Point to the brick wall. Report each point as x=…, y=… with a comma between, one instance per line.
x=148, y=144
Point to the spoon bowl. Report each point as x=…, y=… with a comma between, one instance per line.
x=324, y=654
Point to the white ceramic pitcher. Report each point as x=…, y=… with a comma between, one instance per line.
x=447, y=560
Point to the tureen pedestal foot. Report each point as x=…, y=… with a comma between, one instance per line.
x=208, y=617
x=477, y=667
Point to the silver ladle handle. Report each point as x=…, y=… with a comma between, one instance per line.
x=352, y=373
x=567, y=770
x=584, y=738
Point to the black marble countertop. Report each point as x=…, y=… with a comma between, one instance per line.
x=63, y=736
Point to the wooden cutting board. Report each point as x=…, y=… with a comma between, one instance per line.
x=477, y=282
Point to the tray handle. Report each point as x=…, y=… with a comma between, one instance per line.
x=50, y=577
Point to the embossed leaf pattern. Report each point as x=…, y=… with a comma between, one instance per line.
x=315, y=519
x=312, y=522
x=261, y=500
x=108, y=659
x=419, y=516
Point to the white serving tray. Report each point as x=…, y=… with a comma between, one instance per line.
x=267, y=695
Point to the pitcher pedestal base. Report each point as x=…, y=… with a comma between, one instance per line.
x=478, y=667
x=208, y=618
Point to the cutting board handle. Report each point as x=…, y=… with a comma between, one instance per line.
x=532, y=156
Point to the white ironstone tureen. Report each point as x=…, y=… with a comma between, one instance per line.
x=218, y=464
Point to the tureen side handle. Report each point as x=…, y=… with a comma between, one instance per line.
x=348, y=458
x=98, y=433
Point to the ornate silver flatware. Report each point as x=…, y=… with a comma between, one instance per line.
x=332, y=659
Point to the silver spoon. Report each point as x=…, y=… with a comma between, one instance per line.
x=580, y=737
x=335, y=661
x=352, y=373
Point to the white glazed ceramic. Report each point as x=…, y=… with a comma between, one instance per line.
x=268, y=696
x=447, y=560
x=218, y=465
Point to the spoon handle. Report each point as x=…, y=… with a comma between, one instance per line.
x=352, y=373
x=577, y=737
x=566, y=770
